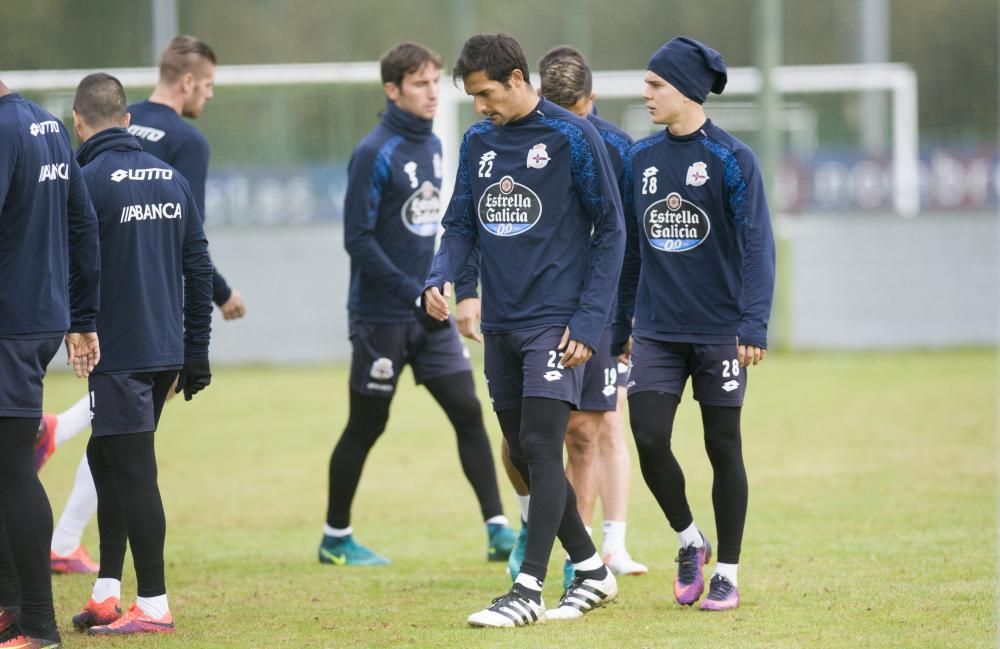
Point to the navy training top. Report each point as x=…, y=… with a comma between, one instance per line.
x=392, y=211
x=177, y=142
x=699, y=260
x=617, y=142
x=538, y=196
x=156, y=284
x=50, y=265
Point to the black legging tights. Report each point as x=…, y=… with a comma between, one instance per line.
x=535, y=433
x=652, y=418
x=129, y=508
x=456, y=394
x=26, y=517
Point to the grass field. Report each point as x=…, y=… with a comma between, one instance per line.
x=873, y=501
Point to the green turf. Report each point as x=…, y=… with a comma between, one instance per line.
x=872, y=517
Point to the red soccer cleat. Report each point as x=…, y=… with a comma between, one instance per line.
x=77, y=562
x=94, y=613
x=45, y=443
x=135, y=621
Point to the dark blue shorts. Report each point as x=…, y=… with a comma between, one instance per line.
x=600, y=379
x=128, y=403
x=22, y=369
x=715, y=373
x=381, y=350
x=525, y=363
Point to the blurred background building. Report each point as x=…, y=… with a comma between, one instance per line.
x=855, y=271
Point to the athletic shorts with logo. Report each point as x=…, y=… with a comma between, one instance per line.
x=22, y=369
x=525, y=363
x=129, y=402
x=381, y=350
x=600, y=378
x=715, y=372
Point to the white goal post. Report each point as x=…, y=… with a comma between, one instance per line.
x=899, y=80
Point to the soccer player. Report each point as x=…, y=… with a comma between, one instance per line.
x=392, y=213
x=698, y=277
x=187, y=77
x=535, y=192
x=598, y=459
x=49, y=284
x=156, y=310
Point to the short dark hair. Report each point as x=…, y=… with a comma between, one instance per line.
x=559, y=52
x=566, y=79
x=498, y=55
x=184, y=54
x=407, y=58
x=100, y=100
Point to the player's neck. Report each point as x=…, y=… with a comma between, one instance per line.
x=4, y=90
x=163, y=95
x=526, y=104
x=688, y=122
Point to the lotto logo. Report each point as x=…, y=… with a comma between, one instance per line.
x=51, y=126
x=552, y=375
x=730, y=385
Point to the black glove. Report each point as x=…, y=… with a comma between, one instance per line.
x=195, y=375
x=428, y=322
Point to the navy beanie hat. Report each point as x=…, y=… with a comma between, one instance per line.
x=692, y=67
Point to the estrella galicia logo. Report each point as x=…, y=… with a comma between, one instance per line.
x=508, y=208
x=422, y=210
x=675, y=225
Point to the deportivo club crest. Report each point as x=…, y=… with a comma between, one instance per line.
x=422, y=210
x=538, y=157
x=697, y=174
x=675, y=225
x=508, y=208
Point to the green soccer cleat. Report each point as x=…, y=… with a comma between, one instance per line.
x=517, y=554
x=345, y=551
x=501, y=542
x=569, y=574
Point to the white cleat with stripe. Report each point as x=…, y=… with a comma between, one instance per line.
x=509, y=610
x=583, y=596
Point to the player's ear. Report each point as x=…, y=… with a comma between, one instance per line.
x=392, y=91
x=78, y=125
x=516, y=76
x=187, y=82
x=128, y=120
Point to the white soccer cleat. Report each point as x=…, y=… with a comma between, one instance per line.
x=509, y=610
x=622, y=563
x=583, y=596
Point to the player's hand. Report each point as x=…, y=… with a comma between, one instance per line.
x=574, y=352
x=194, y=377
x=233, y=308
x=425, y=320
x=83, y=352
x=467, y=314
x=750, y=355
x=436, y=303
x=627, y=355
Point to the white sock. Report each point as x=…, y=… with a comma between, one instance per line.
x=73, y=421
x=337, y=532
x=499, y=519
x=154, y=607
x=81, y=505
x=614, y=537
x=727, y=570
x=529, y=582
x=593, y=563
x=523, y=502
x=105, y=587
x=691, y=536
